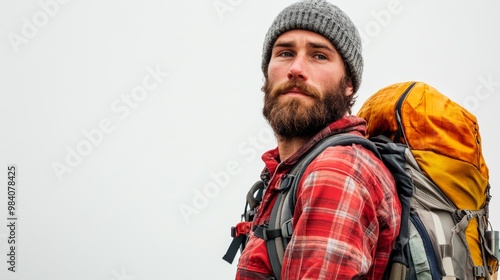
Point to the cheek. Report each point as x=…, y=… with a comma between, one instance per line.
x=329, y=79
x=275, y=70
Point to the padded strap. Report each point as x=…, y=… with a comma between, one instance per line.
x=275, y=246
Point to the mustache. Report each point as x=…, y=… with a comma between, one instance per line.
x=295, y=84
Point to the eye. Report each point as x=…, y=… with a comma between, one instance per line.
x=320, y=56
x=285, y=54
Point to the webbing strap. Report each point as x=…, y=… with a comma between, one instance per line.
x=464, y=222
x=233, y=248
x=479, y=271
x=263, y=232
x=485, y=248
x=441, y=239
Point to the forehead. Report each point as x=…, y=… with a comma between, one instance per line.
x=299, y=36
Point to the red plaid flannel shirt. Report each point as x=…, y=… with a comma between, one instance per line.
x=346, y=219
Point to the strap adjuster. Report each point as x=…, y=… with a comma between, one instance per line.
x=242, y=228
x=480, y=271
x=287, y=229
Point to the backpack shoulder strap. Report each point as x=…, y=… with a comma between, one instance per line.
x=279, y=231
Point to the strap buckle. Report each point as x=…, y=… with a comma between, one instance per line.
x=287, y=229
x=480, y=271
x=241, y=228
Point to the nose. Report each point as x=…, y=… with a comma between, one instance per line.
x=297, y=69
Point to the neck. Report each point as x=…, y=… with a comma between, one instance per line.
x=288, y=147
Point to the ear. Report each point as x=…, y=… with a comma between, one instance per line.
x=349, y=90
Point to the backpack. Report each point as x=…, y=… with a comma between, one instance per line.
x=441, y=179
x=452, y=197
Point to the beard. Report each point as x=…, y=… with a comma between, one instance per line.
x=294, y=118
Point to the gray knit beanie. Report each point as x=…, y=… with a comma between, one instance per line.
x=325, y=19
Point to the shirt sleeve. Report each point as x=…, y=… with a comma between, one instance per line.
x=338, y=217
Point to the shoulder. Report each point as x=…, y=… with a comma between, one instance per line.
x=351, y=164
x=353, y=159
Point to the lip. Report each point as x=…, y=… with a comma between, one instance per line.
x=295, y=91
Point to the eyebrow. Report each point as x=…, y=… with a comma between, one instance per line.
x=283, y=44
x=319, y=46
x=313, y=45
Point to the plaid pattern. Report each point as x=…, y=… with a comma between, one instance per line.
x=346, y=217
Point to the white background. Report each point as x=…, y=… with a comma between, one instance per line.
x=193, y=141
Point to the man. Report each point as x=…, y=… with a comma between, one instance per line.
x=347, y=212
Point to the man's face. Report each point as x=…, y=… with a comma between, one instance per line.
x=306, y=88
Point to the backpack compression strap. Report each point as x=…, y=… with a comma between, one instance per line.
x=241, y=230
x=278, y=233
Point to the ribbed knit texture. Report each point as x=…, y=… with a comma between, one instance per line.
x=326, y=19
